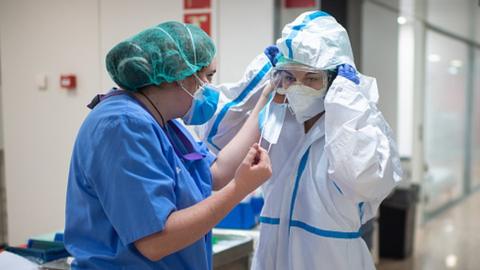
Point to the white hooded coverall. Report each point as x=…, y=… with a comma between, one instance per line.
x=325, y=183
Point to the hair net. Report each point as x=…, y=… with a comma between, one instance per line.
x=168, y=52
x=317, y=40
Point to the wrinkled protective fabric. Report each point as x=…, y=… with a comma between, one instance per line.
x=204, y=105
x=168, y=52
x=338, y=174
x=126, y=177
x=327, y=183
x=305, y=101
x=317, y=40
x=236, y=100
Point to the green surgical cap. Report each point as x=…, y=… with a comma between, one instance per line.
x=168, y=52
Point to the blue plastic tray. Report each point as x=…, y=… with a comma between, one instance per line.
x=243, y=216
x=41, y=251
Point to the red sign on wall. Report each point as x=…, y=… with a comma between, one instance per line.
x=192, y=4
x=300, y=3
x=201, y=20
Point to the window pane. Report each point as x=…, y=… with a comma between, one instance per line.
x=475, y=174
x=452, y=15
x=444, y=119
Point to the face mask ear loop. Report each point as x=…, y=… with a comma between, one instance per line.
x=202, y=83
x=184, y=89
x=260, y=141
x=269, y=147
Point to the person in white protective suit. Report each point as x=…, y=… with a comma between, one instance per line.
x=333, y=155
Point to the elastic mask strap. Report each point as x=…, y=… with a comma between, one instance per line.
x=184, y=89
x=260, y=141
x=269, y=147
x=202, y=83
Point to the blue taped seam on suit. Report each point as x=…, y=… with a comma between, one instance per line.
x=269, y=220
x=299, y=27
x=312, y=229
x=253, y=83
x=301, y=168
x=361, y=210
x=305, y=226
x=324, y=233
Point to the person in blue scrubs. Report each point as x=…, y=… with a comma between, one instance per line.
x=140, y=186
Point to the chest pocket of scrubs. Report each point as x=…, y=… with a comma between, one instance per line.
x=186, y=190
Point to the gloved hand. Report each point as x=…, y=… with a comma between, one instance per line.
x=349, y=72
x=272, y=52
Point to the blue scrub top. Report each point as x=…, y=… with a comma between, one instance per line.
x=126, y=177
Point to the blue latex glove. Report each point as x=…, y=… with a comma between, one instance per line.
x=347, y=71
x=272, y=52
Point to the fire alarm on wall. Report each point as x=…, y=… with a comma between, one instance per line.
x=68, y=81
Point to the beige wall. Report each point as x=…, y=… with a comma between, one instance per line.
x=52, y=37
x=380, y=61
x=245, y=28
x=240, y=29
x=120, y=19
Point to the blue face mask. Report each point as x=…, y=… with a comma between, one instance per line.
x=271, y=120
x=204, y=104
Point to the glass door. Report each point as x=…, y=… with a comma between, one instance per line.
x=444, y=130
x=475, y=164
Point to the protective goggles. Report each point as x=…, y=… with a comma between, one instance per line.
x=283, y=78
